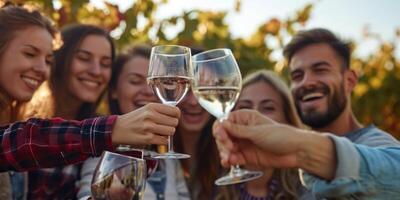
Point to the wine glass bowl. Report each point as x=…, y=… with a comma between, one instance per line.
x=216, y=85
x=151, y=163
x=119, y=176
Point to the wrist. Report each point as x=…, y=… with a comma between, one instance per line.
x=317, y=155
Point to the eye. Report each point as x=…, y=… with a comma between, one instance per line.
x=106, y=64
x=50, y=61
x=29, y=54
x=243, y=105
x=268, y=108
x=296, y=76
x=136, y=80
x=83, y=57
x=320, y=69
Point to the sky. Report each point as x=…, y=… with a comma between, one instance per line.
x=347, y=18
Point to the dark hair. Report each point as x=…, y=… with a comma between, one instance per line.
x=14, y=19
x=315, y=36
x=73, y=36
x=206, y=168
x=124, y=57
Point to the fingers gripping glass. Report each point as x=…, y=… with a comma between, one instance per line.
x=217, y=83
x=170, y=74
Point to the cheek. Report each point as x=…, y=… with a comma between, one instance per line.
x=107, y=74
x=277, y=116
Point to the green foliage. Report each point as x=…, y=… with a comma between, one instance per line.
x=375, y=99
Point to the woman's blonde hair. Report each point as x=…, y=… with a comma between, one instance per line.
x=288, y=178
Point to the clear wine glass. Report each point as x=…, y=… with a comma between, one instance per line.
x=170, y=75
x=217, y=83
x=119, y=176
x=151, y=163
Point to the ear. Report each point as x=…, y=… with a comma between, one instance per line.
x=351, y=80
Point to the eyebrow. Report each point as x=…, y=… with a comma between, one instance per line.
x=314, y=65
x=37, y=49
x=88, y=52
x=268, y=101
x=319, y=63
x=263, y=101
x=134, y=74
x=244, y=101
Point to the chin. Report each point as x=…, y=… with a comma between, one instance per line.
x=89, y=99
x=23, y=97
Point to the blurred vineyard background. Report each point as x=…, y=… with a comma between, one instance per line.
x=375, y=99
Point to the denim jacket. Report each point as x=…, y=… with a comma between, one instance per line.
x=167, y=183
x=368, y=167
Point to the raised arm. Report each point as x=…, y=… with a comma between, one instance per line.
x=38, y=143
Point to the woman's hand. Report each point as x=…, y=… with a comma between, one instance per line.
x=147, y=125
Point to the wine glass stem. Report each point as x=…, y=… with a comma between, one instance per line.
x=235, y=170
x=170, y=138
x=170, y=144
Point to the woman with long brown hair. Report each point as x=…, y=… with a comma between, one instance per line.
x=26, y=43
x=78, y=80
x=194, y=137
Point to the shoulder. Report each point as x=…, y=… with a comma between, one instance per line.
x=373, y=136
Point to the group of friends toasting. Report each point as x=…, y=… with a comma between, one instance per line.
x=297, y=141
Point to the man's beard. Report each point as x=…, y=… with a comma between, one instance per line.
x=336, y=104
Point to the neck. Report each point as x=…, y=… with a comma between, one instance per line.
x=68, y=108
x=189, y=143
x=346, y=122
x=258, y=187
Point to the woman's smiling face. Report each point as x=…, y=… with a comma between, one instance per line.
x=25, y=63
x=90, y=69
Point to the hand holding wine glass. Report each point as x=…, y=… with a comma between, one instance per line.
x=216, y=85
x=170, y=74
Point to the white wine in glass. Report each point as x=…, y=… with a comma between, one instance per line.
x=217, y=83
x=170, y=75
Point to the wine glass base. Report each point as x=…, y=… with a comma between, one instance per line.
x=239, y=177
x=171, y=155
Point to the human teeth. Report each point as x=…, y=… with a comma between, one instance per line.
x=90, y=83
x=312, y=95
x=30, y=81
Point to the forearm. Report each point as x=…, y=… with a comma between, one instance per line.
x=39, y=143
x=317, y=155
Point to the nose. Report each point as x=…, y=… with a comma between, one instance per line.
x=147, y=90
x=309, y=80
x=191, y=99
x=95, y=68
x=42, y=68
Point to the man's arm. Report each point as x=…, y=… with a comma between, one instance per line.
x=317, y=154
x=361, y=170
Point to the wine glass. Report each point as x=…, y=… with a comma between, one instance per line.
x=170, y=74
x=119, y=176
x=151, y=163
x=217, y=83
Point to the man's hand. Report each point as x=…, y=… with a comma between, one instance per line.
x=249, y=138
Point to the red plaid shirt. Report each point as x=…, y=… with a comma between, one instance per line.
x=40, y=143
